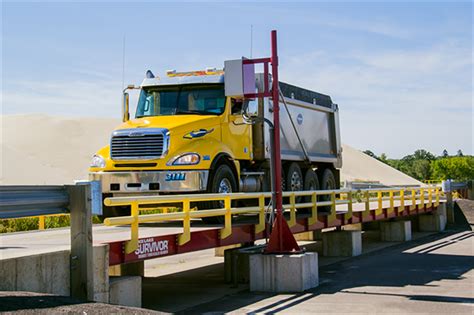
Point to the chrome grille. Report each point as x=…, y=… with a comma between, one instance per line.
x=131, y=144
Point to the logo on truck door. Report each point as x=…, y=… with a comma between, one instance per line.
x=299, y=119
x=197, y=133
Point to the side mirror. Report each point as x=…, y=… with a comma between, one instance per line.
x=125, y=108
x=251, y=107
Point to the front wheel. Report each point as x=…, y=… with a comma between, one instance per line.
x=222, y=182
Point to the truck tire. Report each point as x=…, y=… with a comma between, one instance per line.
x=223, y=181
x=328, y=182
x=311, y=182
x=293, y=181
x=294, y=178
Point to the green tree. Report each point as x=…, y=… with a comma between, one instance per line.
x=423, y=155
x=421, y=169
x=456, y=167
x=445, y=153
x=460, y=153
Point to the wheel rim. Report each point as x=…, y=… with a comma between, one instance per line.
x=224, y=186
x=296, y=182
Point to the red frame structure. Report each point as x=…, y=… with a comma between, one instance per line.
x=281, y=240
x=205, y=239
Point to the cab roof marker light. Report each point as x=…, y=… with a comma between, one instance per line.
x=149, y=74
x=168, y=72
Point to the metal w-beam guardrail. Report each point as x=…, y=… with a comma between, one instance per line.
x=32, y=201
x=80, y=201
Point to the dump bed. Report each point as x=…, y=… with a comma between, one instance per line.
x=309, y=127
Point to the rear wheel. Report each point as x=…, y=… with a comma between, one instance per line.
x=328, y=182
x=293, y=180
x=222, y=182
x=311, y=182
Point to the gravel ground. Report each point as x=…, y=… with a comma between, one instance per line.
x=15, y=302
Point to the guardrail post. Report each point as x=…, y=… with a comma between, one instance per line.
x=390, y=193
x=261, y=215
x=82, y=267
x=132, y=244
x=292, y=220
x=41, y=222
x=413, y=199
x=314, y=209
x=227, y=230
x=450, y=207
x=402, y=201
x=186, y=236
x=379, y=201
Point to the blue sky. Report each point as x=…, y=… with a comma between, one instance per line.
x=400, y=72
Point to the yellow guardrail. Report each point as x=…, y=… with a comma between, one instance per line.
x=298, y=199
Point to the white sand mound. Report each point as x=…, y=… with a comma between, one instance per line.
x=41, y=149
x=358, y=166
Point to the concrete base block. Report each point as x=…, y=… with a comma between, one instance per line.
x=101, y=273
x=283, y=273
x=236, y=263
x=309, y=236
x=442, y=209
x=353, y=227
x=432, y=222
x=219, y=251
x=395, y=231
x=43, y=273
x=342, y=243
x=130, y=269
x=126, y=291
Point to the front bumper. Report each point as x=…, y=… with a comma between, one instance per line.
x=152, y=182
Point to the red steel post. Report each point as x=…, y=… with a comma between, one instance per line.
x=281, y=240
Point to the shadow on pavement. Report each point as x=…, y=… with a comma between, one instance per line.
x=390, y=267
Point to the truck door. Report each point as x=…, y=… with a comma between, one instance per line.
x=235, y=133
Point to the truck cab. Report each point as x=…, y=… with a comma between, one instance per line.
x=183, y=126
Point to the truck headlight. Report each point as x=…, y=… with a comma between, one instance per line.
x=97, y=161
x=185, y=159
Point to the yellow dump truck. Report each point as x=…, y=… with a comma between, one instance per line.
x=188, y=136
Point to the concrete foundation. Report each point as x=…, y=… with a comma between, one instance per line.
x=395, y=231
x=342, y=243
x=130, y=269
x=43, y=273
x=309, y=236
x=236, y=263
x=352, y=227
x=101, y=273
x=126, y=291
x=50, y=273
x=432, y=222
x=283, y=273
x=219, y=251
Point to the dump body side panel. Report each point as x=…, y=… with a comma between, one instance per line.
x=316, y=125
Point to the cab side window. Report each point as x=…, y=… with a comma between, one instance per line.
x=236, y=106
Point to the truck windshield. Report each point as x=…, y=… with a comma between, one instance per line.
x=181, y=100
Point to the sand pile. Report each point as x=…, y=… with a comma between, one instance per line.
x=41, y=149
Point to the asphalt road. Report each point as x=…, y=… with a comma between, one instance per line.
x=433, y=275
